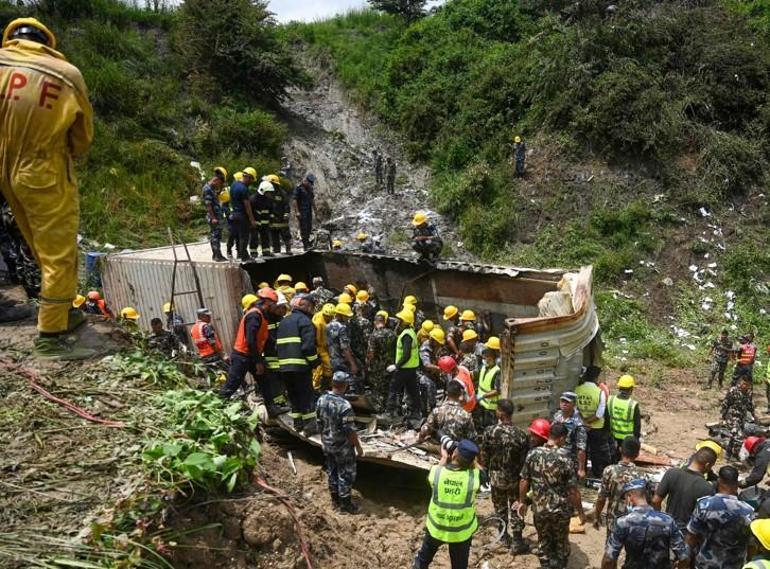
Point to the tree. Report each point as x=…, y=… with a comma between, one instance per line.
x=233, y=44
x=410, y=10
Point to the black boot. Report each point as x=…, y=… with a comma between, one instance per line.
x=335, y=500
x=311, y=428
x=518, y=544
x=16, y=313
x=219, y=258
x=347, y=505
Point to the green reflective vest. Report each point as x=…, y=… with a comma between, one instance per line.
x=486, y=384
x=757, y=564
x=588, y=398
x=452, y=510
x=414, y=356
x=621, y=416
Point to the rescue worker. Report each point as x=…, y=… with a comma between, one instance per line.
x=448, y=365
x=623, y=412
x=575, y=445
x=283, y=280
x=648, y=536
x=286, y=168
x=262, y=206
x=737, y=410
x=746, y=355
x=339, y=440
x=79, y=302
x=162, y=341
x=95, y=304
x=129, y=318
x=305, y=208
x=614, y=478
x=380, y=354
x=503, y=450
x=214, y=214
x=681, y=487
x=322, y=374
x=449, y=418
x=390, y=176
x=175, y=324
x=279, y=216
x=429, y=376
x=360, y=328
x=592, y=405
x=362, y=301
x=206, y=340
x=489, y=389
x=338, y=341
x=539, y=430
x=224, y=201
x=248, y=355
x=550, y=475
x=378, y=169
x=405, y=368
x=21, y=264
x=468, y=320
x=301, y=288
x=520, y=154
x=718, y=531
x=321, y=295
x=48, y=121
x=424, y=332
x=419, y=316
x=759, y=545
x=454, y=334
x=425, y=238
x=275, y=385
x=297, y=357
x=755, y=451
x=243, y=216
x=369, y=244
x=721, y=349
x=451, y=519
x=469, y=359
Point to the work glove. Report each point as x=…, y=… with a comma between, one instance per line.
x=391, y=368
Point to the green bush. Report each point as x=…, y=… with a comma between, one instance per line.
x=729, y=164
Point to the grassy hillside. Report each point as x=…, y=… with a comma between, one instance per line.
x=157, y=109
x=648, y=130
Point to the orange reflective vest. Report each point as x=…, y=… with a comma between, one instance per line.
x=464, y=377
x=103, y=308
x=748, y=354
x=241, y=344
x=202, y=344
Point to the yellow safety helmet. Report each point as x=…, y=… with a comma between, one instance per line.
x=438, y=335
x=493, y=343
x=626, y=382
x=336, y=244
x=248, y=300
x=351, y=289
x=79, y=300
x=469, y=335
x=328, y=309
x=419, y=218
x=224, y=196
x=238, y=176
x=221, y=171
x=411, y=307
x=345, y=298
x=166, y=307
x=32, y=22
x=468, y=316
x=250, y=172
x=406, y=316
x=284, y=277
x=273, y=179
x=343, y=309
x=383, y=313
x=761, y=530
x=262, y=285
x=517, y=139
x=410, y=299
x=129, y=313
x=713, y=445
x=362, y=236
x=362, y=296
x=450, y=312
x=427, y=326
x=301, y=287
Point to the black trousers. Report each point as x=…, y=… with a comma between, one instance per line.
x=458, y=552
x=305, y=229
x=260, y=237
x=240, y=365
x=599, y=450
x=299, y=389
x=242, y=228
x=405, y=380
x=278, y=235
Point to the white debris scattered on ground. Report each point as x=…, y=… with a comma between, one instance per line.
x=704, y=212
x=197, y=166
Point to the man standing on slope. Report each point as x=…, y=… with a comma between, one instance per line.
x=304, y=200
x=47, y=121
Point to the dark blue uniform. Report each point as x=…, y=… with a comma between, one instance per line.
x=722, y=523
x=428, y=248
x=239, y=192
x=648, y=537
x=305, y=196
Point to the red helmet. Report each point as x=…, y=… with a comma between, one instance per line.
x=267, y=294
x=447, y=364
x=540, y=427
x=751, y=443
x=94, y=295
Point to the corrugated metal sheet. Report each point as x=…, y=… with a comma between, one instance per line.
x=145, y=284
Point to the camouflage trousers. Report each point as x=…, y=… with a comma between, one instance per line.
x=341, y=470
x=504, y=495
x=428, y=394
x=215, y=238
x=552, y=539
x=379, y=381
x=718, y=371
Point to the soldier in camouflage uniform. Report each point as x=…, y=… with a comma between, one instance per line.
x=429, y=375
x=214, y=214
x=22, y=267
x=551, y=477
x=381, y=352
x=470, y=354
x=721, y=349
x=577, y=440
x=450, y=418
x=340, y=441
x=648, y=536
x=338, y=343
x=360, y=329
x=614, y=478
x=321, y=295
x=718, y=530
x=738, y=406
x=163, y=341
x=503, y=450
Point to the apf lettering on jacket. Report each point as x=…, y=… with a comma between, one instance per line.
x=17, y=81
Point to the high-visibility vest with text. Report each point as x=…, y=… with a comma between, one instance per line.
x=588, y=399
x=486, y=384
x=414, y=355
x=621, y=413
x=452, y=509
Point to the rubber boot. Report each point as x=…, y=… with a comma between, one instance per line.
x=311, y=428
x=16, y=313
x=347, y=505
x=505, y=539
x=518, y=544
x=56, y=348
x=219, y=258
x=335, y=500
